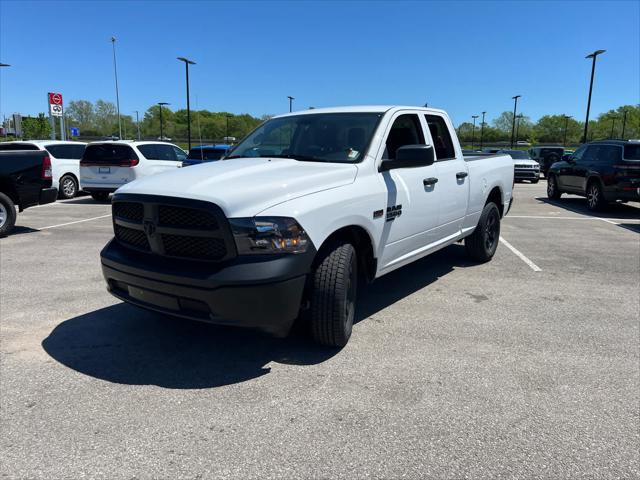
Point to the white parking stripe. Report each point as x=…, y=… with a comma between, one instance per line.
x=521, y=256
x=71, y=223
x=613, y=221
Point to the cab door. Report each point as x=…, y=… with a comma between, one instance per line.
x=410, y=215
x=453, y=178
x=575, y=177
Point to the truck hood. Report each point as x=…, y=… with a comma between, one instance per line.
x=523, y=161
x=244, y=187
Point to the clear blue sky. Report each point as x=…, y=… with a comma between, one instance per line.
x=464, y=57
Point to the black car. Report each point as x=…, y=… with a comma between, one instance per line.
x=546, y=156
x=603, y=171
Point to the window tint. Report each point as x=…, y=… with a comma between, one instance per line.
x=206, y=154
x=18, y=146
x=76, y=151
x=632, y=152
x=157, y=151
x=441, y=137
x=73, y=152
x=180, y=155
x=608, y=154
x=107, y=153
x=406, y=130
x=590, y=154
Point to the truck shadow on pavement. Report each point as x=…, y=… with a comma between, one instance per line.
x=127, y=345
x=617, y=211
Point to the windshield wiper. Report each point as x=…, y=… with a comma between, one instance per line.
x=295, y=156
x=235, y=156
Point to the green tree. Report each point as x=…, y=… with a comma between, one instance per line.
x=106, y=118
x=34, y=128
x=82, y=114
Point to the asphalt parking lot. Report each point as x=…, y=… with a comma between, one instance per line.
x=525, y=366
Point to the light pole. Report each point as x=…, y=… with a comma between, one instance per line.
x=482, y=130
x=291, y=99
x=613, y=124
x=226, y=133
x=513, y=122
x=188, y=62
x=138, y=124
x=4, y=65
x=518, y=127
x=473, y=131
x=593, y=69
x=566, y=124
x=624, y=123
x=160, y=104
x=115, y=72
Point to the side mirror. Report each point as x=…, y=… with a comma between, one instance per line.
x=409, y=156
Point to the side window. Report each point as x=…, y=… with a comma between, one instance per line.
x=149, y=151
x=56, y=150
x=180, y=155
x=166, y=152
x=577, y=155
x=406, y=130
x=76, y=151
x=590, y=154
x=441, y=137
x=608, y=155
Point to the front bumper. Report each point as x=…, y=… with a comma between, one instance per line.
x=261, y=292
x=527, y=174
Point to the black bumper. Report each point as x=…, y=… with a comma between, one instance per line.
x=262, y=292
x=526, y=175
x=48, y=195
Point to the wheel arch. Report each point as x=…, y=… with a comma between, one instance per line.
x=363, y=243
x=496, y=196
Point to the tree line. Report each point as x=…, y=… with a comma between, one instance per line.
x=551, y=128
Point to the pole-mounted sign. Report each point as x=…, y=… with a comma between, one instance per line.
x=55, y=104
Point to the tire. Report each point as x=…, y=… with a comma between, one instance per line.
x=481, y=245
x=68, y=187
x=535, y=181
x=552, y=188
x=595, y=196
x=100, y=196
x=333, y=295
x=7, y=215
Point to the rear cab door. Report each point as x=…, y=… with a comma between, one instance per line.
x=452, y=174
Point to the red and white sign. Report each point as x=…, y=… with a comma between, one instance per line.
x=55, y=104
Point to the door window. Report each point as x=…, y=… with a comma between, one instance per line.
x=180, y=155
x=608, y=155
x=590, y=154
x=406, y=130
x=577, y=155
x=157, y=151
x=441, y=137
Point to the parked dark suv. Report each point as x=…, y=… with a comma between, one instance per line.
x=546, y=156
x=604, y=171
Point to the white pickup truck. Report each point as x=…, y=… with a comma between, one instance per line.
x=298, y=211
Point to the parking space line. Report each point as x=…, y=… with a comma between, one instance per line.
x=521, y=255
x=613, y=221
x=71, y=223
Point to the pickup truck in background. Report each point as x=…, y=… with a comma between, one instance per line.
x=300, y=210
x=25, y=180
x=65, y=161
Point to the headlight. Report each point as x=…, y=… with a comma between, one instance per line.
x=264, y=235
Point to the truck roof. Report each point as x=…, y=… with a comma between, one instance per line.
x=361, y=109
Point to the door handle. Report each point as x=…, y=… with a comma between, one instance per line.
x=427, y=182
x=461, y=175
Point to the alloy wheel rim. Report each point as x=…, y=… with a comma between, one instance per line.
x=68, y=187
x=593, y=196
x=491, y=232
x=551, y=186
x=3, y=215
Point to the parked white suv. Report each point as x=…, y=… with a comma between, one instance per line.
x=65, y=162
x=107, y=165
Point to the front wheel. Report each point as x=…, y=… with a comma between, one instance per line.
x=552, y=188
x=68, y=187
x=481, y=245
x=333, y=296
x=7, y=215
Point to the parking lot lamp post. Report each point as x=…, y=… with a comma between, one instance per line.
x=188, y=62
x=160, y=104
x=518, y=127
x=115, y=72
x=566, y=124
x=138, y=124
x=482, y=130
x=624, y=124
x=593, y=69
x=613, y=124
x=473, y=131
x=291, y=99
x=513, y=121
x=226, y=132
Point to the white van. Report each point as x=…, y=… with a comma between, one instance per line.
x=107, y=165
x=65, y=162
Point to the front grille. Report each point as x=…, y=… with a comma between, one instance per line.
x=205, y=248
x=131, y=211
x=173, y=227
x=185, y=217
x=132, y=237
x=528, y=167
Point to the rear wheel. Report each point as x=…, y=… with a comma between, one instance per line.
x=482, y=243
x=7, y=215
x=68, y=187
x=333, y=296
x=100, y=196
x=595, y=197
x=552, y=188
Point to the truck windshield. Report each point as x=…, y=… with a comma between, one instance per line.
x=320, y=137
